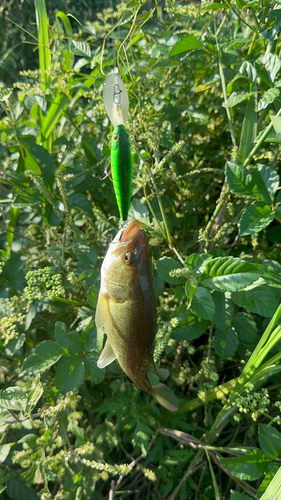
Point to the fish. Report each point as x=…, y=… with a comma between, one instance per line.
x=127, y=311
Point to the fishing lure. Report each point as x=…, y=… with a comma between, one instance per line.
x=117, y=106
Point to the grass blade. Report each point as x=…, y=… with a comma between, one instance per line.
x=42, y=22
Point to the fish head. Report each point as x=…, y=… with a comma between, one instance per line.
x=127, y=261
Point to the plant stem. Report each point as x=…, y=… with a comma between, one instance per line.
x=260, y=141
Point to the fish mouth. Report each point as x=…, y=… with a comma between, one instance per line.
x=129, y=230
x=130, y=238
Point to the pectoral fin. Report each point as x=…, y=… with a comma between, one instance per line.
x=165, y=397
x=107, y=356
x=102, y=311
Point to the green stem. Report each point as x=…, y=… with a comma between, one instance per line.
x=260, y=141
x=217, y=393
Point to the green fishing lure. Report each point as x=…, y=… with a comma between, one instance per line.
x=117, y=106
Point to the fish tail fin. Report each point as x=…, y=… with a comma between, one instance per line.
x=162, y=373
x=165, y=396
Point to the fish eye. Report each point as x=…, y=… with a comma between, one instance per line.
x=128, y=258
x=116, y=137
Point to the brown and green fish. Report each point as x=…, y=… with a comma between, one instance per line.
x=127, y=310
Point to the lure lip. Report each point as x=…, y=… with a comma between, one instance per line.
x=116, y=99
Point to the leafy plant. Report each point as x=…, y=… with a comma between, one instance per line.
x=205, y=131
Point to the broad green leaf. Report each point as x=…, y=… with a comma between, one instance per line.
x=236, y=98
x=80, y=48
x=42, y=157
x=202, y=304
x=266, y=182
x=93, y=373
x=270, y=441
x=248, y=70
x=45, y=354
x=246, y=467
x=190, y=328
x=70, y=341
x=32, y=100
x=240, y=181
x=27, y=198
x=246, y=327
x=13, y=398
x=70, y=372
x=273, y=491
x=167, y=264
x=229, y=274
x=4, y=452
x=223, y=311
x=235, y=495
x=255, y=218
x=272, y=63
x=18, y=489
x=79, y=200
x=269, y=97
x=276, y=122
x=225, y=342
x=188, y=42
x=249, y=130
x=260, y=300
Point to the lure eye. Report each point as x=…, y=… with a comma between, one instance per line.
x=128, y=258
x=116, y=137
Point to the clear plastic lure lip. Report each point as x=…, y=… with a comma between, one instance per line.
x=116, y=99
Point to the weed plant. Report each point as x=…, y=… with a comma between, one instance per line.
x=205, y=130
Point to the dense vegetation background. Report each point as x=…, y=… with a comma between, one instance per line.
x=205, y=131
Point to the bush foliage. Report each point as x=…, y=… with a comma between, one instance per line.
x=205, y=132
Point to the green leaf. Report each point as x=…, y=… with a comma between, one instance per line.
x=167, y=264
x=18, y=489
x=273, y=491
x=71, y=340
x=190, y=328
x=255, y=218
x=4, y=452
x=13, y=398
x=80, y=201
x=55, y=111
x=249, y=130
x=70, y=372
x=202, y=304
x=93, y=373
x=188, y=42
x=276, y=122
x=235, y=495
x=270, y=441
x=246, y=327
x=229, y=274
x=41, y=157
x=260, y=300
x=269, y=97
x=267, y=182
x=42, y=23
x=223, y=311
x=272, y=63
x=27, y=198
x=236, y=98
x=246, y=467
x=240, y=181
x=45, y=354
x=225, y=343
x=80, y=48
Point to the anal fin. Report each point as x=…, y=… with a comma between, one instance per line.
x=165, y=397
x=162, y=373
x=107, y=356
